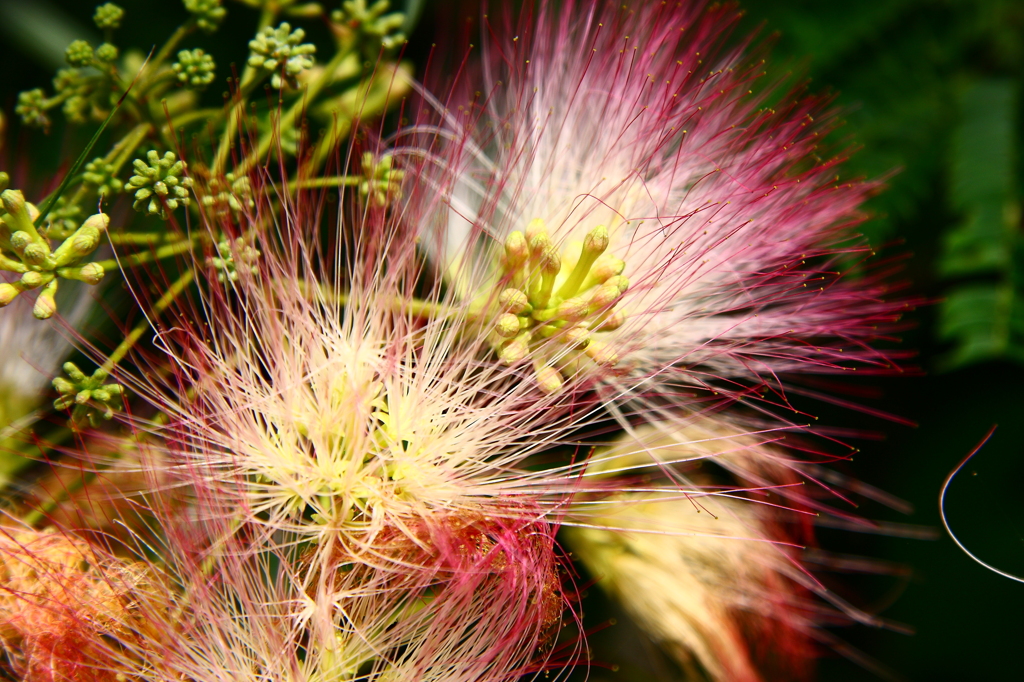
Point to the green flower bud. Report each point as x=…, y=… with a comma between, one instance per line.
x=32, y=107
x=89, y=399
x=46, y=303
x=106, y=53
x=108, y=16
x=159, y=185
x=194, y=68
x=76, y=109
x=100, y=175
x=207, y=13
x=8, y=292
x=79, y=53
x=281, y=49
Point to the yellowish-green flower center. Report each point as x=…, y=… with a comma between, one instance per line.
x=555, y=302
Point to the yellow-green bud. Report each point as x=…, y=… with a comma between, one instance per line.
x=516, y=249
x=548, y=378
x=35, y=254
x=507, y=325
x=605, y=295
x=8, y=292
x=33, y=279
x=5, y=181
x=577, y=337
x=20, y=240
x=601, y=353
x=573, y=309
x=515, y=350
x=90, y=273
x=514, y=301
x=619, y=282
x=46, y=304
x=596, y=241
x=605, y=267
x=612, y=322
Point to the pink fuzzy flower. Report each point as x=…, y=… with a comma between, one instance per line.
x=637, y=219
x=330, y=429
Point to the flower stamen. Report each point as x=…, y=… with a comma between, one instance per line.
x=562, y=297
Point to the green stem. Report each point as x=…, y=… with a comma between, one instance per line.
x=167, y=48
x=267, y=16
x=190, y=116
x=165, y=251
x=336, y=181
x=288, y=118
x=143, y=238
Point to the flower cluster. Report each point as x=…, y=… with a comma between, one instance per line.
x=557, y=318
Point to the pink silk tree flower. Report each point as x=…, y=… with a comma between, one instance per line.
x=332, y=427
x=632, y=215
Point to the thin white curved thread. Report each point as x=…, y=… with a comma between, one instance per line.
x=942, y=509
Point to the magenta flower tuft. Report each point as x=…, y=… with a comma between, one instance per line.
x=625, y=195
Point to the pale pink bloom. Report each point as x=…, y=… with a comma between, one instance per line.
x=731, y=234
x=326, y=427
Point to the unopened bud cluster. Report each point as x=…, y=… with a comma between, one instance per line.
x=382, y=181
x=160, y=185
x=554, y=304
x=88, y=397
x=281, y=51
x=26, y=251
x=234, y=255
x=375, y=24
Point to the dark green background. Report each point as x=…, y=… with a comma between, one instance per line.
x=899, y=69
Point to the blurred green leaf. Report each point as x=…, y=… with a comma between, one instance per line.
x=983, y=319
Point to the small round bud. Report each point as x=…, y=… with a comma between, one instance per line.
x=605, y=267
x=514, y=301
x=35, y=254
x=194, y=68
x=601, y=353
x=281, y=49
x=507, y=325
x=206, y=13
x=32, y=279
x=516, y=249
x=550, y=261
x=31, y=108
x=79, y=53
x=20, y=241
x=106, y=53
x=8, y=292
x=612, y=322
x=573, y=309
x=90, y=273
x=46, y=304
x=620, y=282
x=548, y=378
x=515, y=350
x=108, y=16
x=596, y=240
x=576, y=337
x=5, y=181
x=98, y=221
x=605, y=295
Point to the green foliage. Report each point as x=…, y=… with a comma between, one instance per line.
x=929, y=91
x=983, y=314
